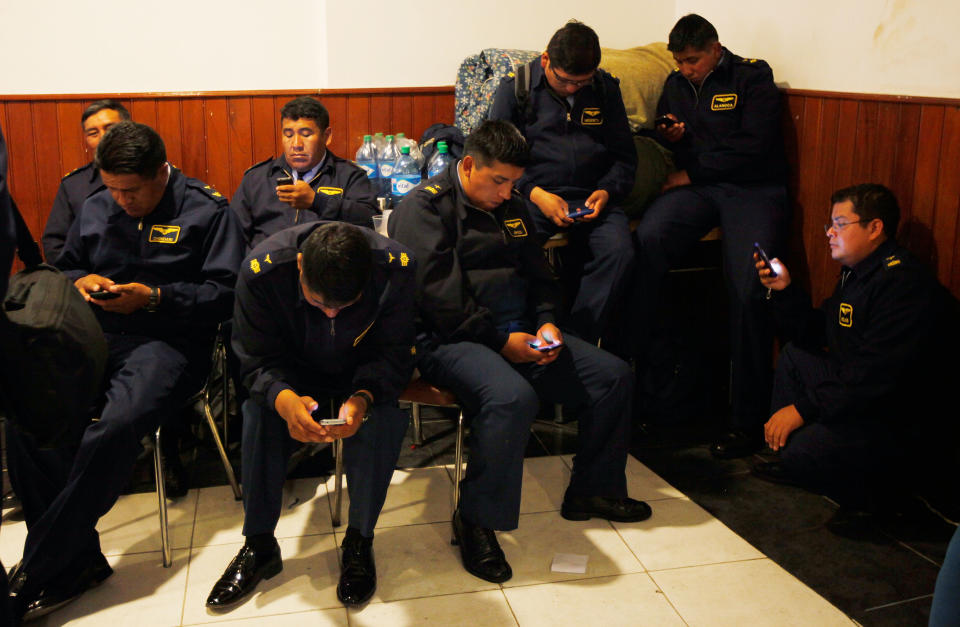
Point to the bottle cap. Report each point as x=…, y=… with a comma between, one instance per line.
x=367, y=138
x=405, y=150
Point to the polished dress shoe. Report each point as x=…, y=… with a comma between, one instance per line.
x=30, y=603
x=736, y=444
x=775, y=472
x=243, y=574
x=481, y=553
x=358, y=573
x=619, y=510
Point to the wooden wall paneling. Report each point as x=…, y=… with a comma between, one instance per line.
x=865, y=143
x=947, y=202
x=885, y=150
x=401, y=117
x=818, y=207
x=381, y=112
x=144, y=111
x=444, y=109
x=278, y=102
x=846, y=138
x=357, y=123
x=217, y=144
x=424, y=106
x=240, y=124
x=339, y=140
x=266, y=126
x=807, y=132
x=193, y=142
x=47, y=154
x=73, y=148
x=22, y=166
x=901, y=180
x=926, y=171
x=169, y=127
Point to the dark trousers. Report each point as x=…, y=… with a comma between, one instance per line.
x=671, y=225
x=65, y=491
x=853, y=461
x=945, y=610
x=369, y=457
x=602, y=255
x=502, y=400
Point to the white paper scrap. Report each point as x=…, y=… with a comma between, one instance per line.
x=569, y=563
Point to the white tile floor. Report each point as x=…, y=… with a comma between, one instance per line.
x=681, y=567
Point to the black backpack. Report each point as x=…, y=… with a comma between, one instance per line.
x=437, y=133
x=52, y=351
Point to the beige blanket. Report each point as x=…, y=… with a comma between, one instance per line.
x=641, y=71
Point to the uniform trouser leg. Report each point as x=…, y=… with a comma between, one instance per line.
x=502, y=405
x=606, y=250
x=370, y=456
x=945, y=610
x=150, y=381
x=602, y=385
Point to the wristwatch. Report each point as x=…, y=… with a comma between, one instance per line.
x=154, y=299
x=365, y=396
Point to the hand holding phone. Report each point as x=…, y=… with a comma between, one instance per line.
x=284, y=180
x=544, y=347
x=665, y=121
x=579, y=213
x=104, y=295
x=765, y=259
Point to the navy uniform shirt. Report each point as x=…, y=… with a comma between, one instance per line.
x=74, y=189
x=733, y=126
x=189, y=246
x=878, y=325
x=478, y=271
x=574, y=149
x=343, y=192
x=285, y=343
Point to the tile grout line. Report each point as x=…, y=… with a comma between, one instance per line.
x=666, y=597
x=895, y=603
x=186, y=578
x=913, y=550
x=503, y=592
x=749, y=559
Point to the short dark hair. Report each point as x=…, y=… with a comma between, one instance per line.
x=497, y=140
x=306, y=107
x=692, y=31
x=131, y=148
x=99, y=105
x=575, y=48
x=872, y=201
x=336, y=262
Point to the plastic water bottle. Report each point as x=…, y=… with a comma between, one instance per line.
x=406, y=175
x=367, y=159
x=439, y=161
x=379, y=141
x=401, y=139
x=386, y=158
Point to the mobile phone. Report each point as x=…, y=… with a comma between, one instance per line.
x=543, y=347
x=579, y=213
x=284, y=180
x=763, y=257
x=329, y=422
x=104, y=295
x=668, y=122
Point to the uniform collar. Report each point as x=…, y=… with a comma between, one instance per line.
x=463, y=201
x=327, y=164
x=874, y=260
x=94, y=174
x=170, y=202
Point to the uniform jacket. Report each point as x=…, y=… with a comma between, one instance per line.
x=283, y=342
x=877, y=326
x=343, y=192
x=478, y=271
x=189, y=246
x=732, y=123
x=75, y=188
x=574, y=150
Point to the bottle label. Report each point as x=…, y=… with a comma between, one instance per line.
x=386, y=169
x=369, y=167
x=401, y=184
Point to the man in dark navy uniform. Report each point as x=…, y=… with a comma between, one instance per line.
x=581, y=157
x=324, y=311
x=82, y=182
x=850, y=387
x=486, y=296
x=156, y=255
x=724, y=129
x=322, y=187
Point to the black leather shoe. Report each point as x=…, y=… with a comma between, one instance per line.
x=243, y=574
x=29, y=604
x=358, y=573
x=481, y=553
x=736, y=444
x=619, y=510
x=775, y=472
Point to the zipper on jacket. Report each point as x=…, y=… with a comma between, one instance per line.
x=333, y=326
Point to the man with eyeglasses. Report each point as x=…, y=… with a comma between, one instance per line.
x=856, y=368
x=582, y=157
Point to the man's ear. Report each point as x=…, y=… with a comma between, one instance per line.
x=467, y=164
x=327, y=135
x=876, y=229
x=543, y=60
x=299, y=262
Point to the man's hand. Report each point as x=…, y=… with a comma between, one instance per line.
x=597, y=201
x=92, y=283
x=676, y=179
x=353, y=411
x=674, y=132
x=296, y=410
x=551, y=205
x=781, y=424
x=517, y=349
x=299, y=195
x=549, y=334
x=133, y=297
x=777, y=283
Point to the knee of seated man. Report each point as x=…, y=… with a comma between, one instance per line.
x=517, y=399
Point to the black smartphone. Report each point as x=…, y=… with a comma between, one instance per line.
x=284, y=180
x=763, y=257
x=579, y=213
x=665, y=121
x=544, y=347
x=104, y=295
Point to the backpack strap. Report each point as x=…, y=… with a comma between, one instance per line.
x=521, y=91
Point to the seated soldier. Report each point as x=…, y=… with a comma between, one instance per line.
x=487, y=305
x=82, y=182
x=319, y=185
x=582, y=157
x=156, y=255
x=855, y=369
x=324, y=311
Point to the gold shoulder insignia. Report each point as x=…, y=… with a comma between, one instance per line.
x=892, y=261
x=255, y=266
x=433, y=189
x=511, y=74
x=404, y=259
x=390, y=257
x=413, y=350
x=70, y=172
x=267, y=259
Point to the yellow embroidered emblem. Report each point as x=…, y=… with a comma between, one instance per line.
x=846, y=315
x=390, y=257
x=164, y=234
x=723, y=102
x=330, y=191
x=591, y=116
x=255, y=266
x=267, y=259
x=892, y=260
x=433, y=189
x=413, y=350
x=404, y=259
x=515, y=227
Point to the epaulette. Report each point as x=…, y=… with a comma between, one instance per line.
x=258, y=164
x=752, y=62
x=74, y=171
x=892, y=261
x=206, y=189
x=264, y=263
x=434, y=190
x=392, y=257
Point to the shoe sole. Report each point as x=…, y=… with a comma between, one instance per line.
x=35, y=614
x=455, y=541
x=362, y=601
x=271, y=572
x=579, y=516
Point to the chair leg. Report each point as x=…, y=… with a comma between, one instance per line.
x=337, y=481
x=417, y=426
x=162, y=497
x=458, y=462
x=227, y=467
